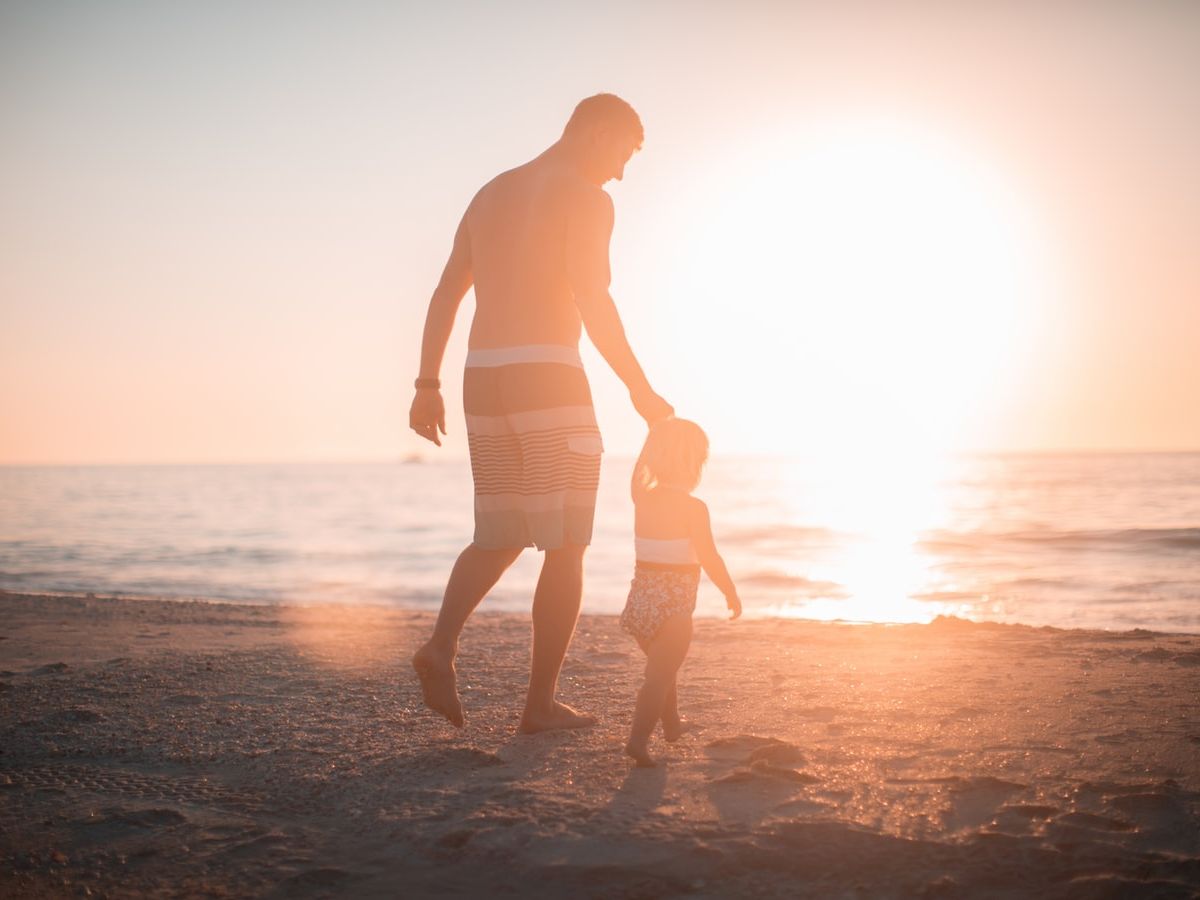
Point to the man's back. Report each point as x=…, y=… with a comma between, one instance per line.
x=519, y=225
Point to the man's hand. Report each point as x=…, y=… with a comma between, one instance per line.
x=650, y=406
x=427, y=415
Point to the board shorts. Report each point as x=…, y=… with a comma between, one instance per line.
x=655, y=595
x=535, y=446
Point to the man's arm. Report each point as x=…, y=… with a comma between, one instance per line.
x=589, y=228
x=427, y=415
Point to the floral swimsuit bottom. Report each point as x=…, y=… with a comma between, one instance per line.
x=654, y=596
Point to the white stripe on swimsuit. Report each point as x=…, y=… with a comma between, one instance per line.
x=490, y=357
x=673, y=551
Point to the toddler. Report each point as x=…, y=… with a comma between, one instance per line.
x=673, y=541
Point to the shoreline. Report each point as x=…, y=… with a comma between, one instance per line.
x=180, y=748
x=748, y=615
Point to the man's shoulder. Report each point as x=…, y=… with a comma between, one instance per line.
x=551, y=190
x=566, y=181
x=496, y=185
x=535, y=176
x=591, y=201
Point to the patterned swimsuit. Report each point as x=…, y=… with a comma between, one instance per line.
x=664, y=584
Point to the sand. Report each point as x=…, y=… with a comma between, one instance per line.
x=156, y=748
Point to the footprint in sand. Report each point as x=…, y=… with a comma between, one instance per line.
x=763, y=757
x=257, y=846
x=1163, y=819
x=777, y=754
x=740, y=747
x=1031, y=811
x=817, y=713
x=1093, y=822
x=324, y=877
x=785, y=773
x=117, y=818
x=1022, y=818
x=50, y=669
x=1158, y=654
x=978, y=800
x=801, y=807
x=454, y=761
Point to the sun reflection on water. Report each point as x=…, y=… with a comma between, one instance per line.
x=880, y=509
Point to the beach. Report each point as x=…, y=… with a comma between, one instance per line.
x=168, y=748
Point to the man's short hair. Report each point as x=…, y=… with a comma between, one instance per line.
x=607, y=111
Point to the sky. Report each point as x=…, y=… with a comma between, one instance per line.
x=928, y=225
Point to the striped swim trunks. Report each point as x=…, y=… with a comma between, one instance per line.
x=535, y=446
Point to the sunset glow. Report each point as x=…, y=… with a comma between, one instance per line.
x=886, y=280
x=886, y=224
x=740, y=450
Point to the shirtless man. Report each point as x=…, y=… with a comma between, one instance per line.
x=534, y=243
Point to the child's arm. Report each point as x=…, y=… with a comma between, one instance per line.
x=700, y=527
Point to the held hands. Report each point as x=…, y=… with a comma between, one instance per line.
x=427, y=415
x=650, y=406
x=735, y=606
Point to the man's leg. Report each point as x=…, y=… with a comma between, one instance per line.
x=474, y=574
x=555, y=612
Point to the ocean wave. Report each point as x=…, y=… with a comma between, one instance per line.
x=1139, y=539
x=780, y=532
x=804, y=586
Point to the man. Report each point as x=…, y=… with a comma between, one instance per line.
x=534, y=243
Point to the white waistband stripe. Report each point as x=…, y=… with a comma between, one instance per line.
x=676, y=550
x=531, y=353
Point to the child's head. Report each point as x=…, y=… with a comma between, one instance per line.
x=674, y=454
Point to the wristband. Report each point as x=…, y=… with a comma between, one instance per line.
x=431, y=383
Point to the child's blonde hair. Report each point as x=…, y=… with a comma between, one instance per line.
x=674, y=453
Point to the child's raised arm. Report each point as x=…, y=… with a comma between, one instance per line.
x=700, y=529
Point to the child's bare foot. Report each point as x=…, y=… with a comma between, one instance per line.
x=640, y=755
x=676, y=729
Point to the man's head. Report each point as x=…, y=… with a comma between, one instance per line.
x=606, y=132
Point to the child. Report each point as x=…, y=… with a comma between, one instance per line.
x=673, y=540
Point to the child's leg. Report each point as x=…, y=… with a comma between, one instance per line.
x=672, y=725
x=664, y=656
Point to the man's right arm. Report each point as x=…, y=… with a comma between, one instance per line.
x=427, y=415
x=589, y=229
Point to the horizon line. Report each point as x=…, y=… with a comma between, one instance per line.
x=434, y=458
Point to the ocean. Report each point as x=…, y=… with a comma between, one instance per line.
x=1068, y=540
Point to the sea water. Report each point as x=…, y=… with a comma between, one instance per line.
x=1067, y=540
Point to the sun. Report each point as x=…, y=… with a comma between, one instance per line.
x=878, y=280
x=861, y=295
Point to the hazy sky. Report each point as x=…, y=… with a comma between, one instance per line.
x=220, y=223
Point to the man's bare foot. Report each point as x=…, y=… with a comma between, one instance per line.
x=439, y=683
x=640, y=755
x=673, y=731
x=559, y=717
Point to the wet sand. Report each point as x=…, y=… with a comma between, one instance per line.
x=154, y=748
